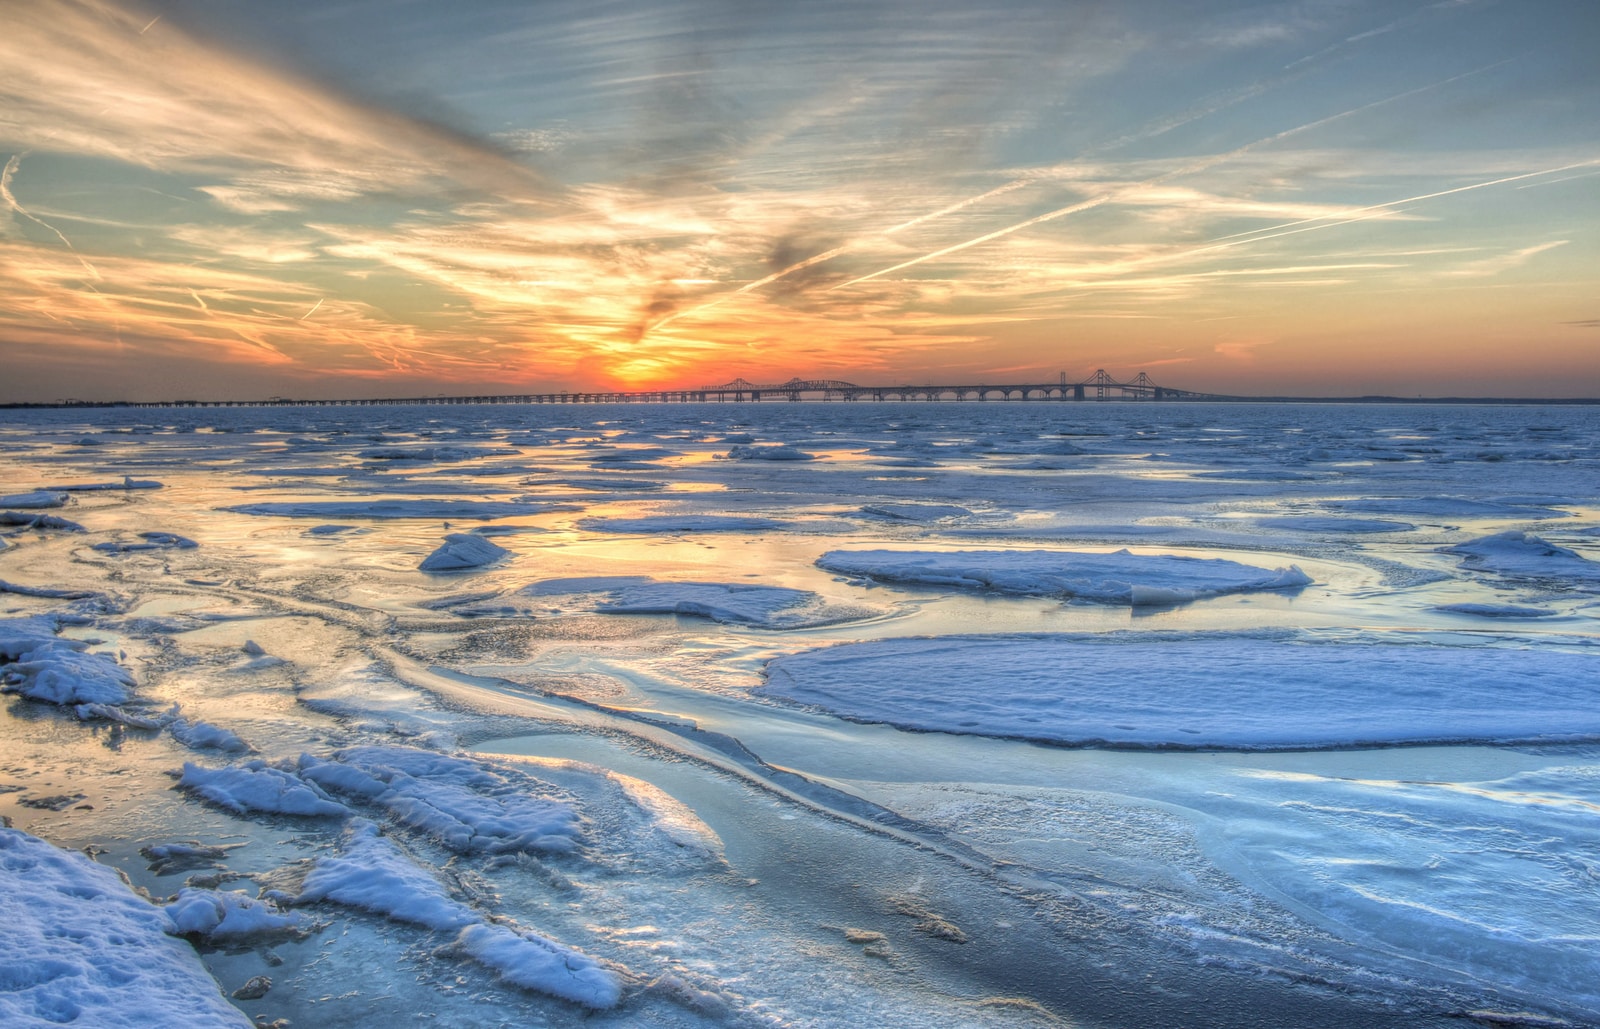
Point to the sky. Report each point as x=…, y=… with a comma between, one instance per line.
x=229, y=199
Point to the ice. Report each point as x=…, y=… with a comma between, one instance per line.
x=1448, y=507
x=534, y=962
x=30, y=520
x=256, y=786
x=768, y=452
x=152, y=541
x=668, y=523
x=916, y=512
x=372, y=873
x=1314, y=523
x=463, y=550
x=128, y=483
x=1519, y=555
x=41, y=666
x=230, y=914
x=36, y=499
x=81, y=948
x=385, y=509
x=205, y=736
x=1497, y=610
x=1230, y=692
x=465, y=805
x=770, y=607
x=1120, y=577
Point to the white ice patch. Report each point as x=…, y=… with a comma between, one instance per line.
x=372, y=873
x=1521, y=556
x=463, y=550
x=467, y=806
x=537, y=963
x=255, y=786
x=81, y=948
x=205, y=736
x=40, y=666
x=35, y=499
x=652, y=525
x=1231, y=692
x=770, y=607
x=1122, y=577
x=217, y=914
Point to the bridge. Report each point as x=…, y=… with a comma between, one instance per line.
x=1099, y=386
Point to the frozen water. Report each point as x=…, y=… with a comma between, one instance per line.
x=1350, y=787
x=1121, y=577
x=81, y=948
x=463, y=550
x=1228, y=692
x=223, y=914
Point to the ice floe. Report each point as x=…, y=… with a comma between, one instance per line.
x=1447, y=507
x=39, y=665
x=372, y=873
x=1519, y=555
x=29, y=520
x=128, y=483
x=82, y=948
x=916, y=512
x=1233, y=692
x=463, y=550
x=152, y=541
x=35, y=499
x=768, y=452
x=534, y=962
x=1117, y=578
x=669, y=523
x=1496, y=610
x=255, y=786
x=220, y=914
x=770, y=607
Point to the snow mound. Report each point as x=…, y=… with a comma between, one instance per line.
x=216, y=914
x=463, y=550
x=536, y=963
x=255, y=786
x=1122, y=577
x=36, y=499
x=82, y=948
x=1232, y=692
x=661, y=524
x=36, y=664
x=1522, y=556
x=465, y=805
x=372, y=873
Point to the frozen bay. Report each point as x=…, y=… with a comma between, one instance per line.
x=982, y=714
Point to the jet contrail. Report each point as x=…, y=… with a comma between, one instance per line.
x=313, y=310
x=11, y=202
x=1188, y=169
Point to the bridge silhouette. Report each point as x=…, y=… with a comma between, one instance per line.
x=1099, y=386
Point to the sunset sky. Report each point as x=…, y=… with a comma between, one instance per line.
x=323, y=198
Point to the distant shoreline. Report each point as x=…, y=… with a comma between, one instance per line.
x=582, y=399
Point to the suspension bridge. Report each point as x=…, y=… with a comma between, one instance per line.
x=1099, y=386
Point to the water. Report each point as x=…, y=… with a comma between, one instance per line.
x=856, y=873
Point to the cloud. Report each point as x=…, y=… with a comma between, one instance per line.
x=1501, y=263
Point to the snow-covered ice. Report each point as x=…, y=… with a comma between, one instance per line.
x=463, y=550
x=1521, y=555
x=372, y=873
x=1118, y=578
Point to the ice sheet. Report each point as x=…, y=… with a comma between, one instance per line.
x=1228, y=692
x=1121, y=577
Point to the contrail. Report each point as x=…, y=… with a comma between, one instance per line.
x=313, y=310
x=150, y=24
x=11, y=202
x=1188, y=169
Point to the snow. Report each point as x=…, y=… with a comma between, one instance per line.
x=255, y=786
x=463, y=550
x=36, y=499
x=1523, y=556
x=465, y=805
x=1121, y=577
x=205, y=736
x=82, y=948
x=40, y=666
x=372, y=873
x=536, y=963
x=1228, y=692
x=230, y=914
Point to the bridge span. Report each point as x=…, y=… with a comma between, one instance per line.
x=1099, y=386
